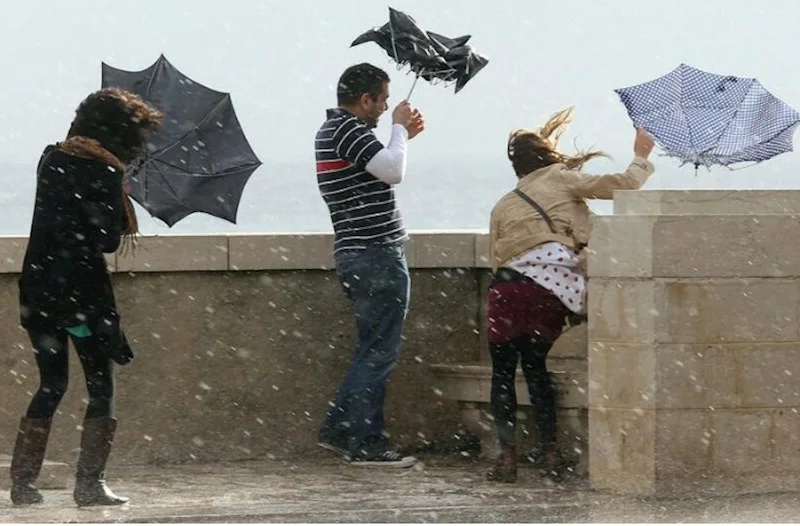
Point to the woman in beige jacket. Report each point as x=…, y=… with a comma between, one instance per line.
x=539, y=280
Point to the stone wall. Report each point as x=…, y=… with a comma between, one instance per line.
x=694, y=344
x=241, y=340
x=693, y=384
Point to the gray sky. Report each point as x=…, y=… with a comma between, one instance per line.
x=280, y=60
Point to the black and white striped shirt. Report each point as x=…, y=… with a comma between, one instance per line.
x=362, y=207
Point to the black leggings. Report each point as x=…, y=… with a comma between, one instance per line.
x=52, y=358
x=505, y=357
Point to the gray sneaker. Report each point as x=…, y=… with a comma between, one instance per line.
x=387, y=459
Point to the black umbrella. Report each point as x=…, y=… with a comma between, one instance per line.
x=429, y=55
x=464, y=62
x=199, y=160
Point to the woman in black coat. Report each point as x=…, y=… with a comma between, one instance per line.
x=81, y=212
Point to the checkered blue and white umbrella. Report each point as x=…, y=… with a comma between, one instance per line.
x=704, y=119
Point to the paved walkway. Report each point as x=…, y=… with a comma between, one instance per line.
x=326, y=490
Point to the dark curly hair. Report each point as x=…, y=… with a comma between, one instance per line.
x=118, y=120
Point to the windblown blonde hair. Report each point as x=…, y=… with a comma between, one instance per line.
x=530, y=150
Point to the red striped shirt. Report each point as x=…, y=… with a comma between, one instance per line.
x=332, y=166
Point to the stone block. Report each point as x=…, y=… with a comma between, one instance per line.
x=12, y=252
x=693, y=246
x=573, y=437
x=693, y=452
x=621, y=450
x=726, y=310
x=696, y=377
x=683, y=446
x=622, y=310
x=621, y=375
x=176, y=253
x=442, y=249
x=281, y=251
x=482, y=251
x=706, y=202
x=769, y=374
x=786, y=441
x=621, y=246
x=736, y=246
x=473, y=382
x=742, y=442
x=571, y=344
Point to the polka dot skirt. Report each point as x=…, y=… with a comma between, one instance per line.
x=555, y=267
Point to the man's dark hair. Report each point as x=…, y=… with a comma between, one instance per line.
x=358, y=80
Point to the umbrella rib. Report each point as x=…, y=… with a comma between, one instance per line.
x=787, y=127
x=735, y=113
x=391, y=33
x=195, y=127
x=686, y=118
x=165, y=179
x=152, y=78
x=187, y=172
x=172, y=191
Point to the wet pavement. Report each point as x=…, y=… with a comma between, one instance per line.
x=327, y=490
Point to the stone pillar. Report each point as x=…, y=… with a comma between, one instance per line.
x=694, y=347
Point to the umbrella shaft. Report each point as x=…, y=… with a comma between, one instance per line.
x=416, y=78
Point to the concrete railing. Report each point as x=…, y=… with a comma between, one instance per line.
x=274, y=251
x=241, y=340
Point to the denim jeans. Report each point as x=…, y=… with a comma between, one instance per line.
x=377, y=282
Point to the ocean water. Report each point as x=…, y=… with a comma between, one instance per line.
x=445, y=194
x=283, y=197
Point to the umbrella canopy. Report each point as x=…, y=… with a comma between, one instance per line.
x=199, y=160
x=463, y=61
x=705, y=119
x=406, y=43
x=429, y=55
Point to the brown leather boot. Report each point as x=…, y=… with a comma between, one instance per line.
x=552, y=463
x=90, y=483
x=505, y=470
x=26, y=464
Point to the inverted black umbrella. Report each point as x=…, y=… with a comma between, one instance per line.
x=463, y=61
x=429, y=55
x=199, y=160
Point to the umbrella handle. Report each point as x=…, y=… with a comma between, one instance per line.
x=416, y=78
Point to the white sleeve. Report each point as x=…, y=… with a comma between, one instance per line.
x=389, y=164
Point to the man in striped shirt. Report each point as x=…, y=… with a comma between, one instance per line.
x=355, y=173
